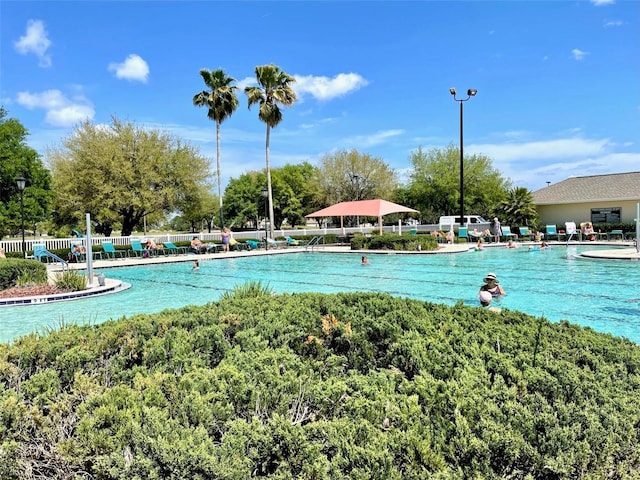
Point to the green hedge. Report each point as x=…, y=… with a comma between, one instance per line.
x=393, y=241
x=311, y=386
x=13, y=269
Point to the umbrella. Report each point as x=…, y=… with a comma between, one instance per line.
x=366, y=208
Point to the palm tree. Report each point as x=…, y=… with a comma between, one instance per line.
x=274, y=88
x=518, y=208
x=221, y=101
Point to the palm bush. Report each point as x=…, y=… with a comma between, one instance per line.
x=70, y=281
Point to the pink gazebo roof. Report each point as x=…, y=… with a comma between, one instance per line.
x=365, y=208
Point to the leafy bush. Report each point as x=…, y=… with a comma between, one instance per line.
x=14, y=271
x=392, y=241
x=312, y=386
x=71, y=281
x=249, y=289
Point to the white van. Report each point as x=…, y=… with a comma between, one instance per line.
x=448, y=220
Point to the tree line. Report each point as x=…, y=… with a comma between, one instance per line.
x=125, y=175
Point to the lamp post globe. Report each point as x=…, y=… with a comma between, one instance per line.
x=21, y=182
x=470, y=93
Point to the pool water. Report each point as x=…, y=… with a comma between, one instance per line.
x=601, y=294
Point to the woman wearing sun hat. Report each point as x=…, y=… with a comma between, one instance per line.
x=492, y=285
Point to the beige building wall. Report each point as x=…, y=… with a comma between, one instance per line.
x=581, y=212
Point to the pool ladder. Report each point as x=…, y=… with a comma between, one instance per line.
x=314, y=242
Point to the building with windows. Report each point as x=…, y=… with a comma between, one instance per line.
x=608, y=198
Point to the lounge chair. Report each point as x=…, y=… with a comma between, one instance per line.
x=551, y=231
x=526, y=232
x=463, y=232
x=254, y=244
x=139, y=251
x=293, y=242
x=40, y=252
x=76, y=253
x=571, y=230
x=170, y=247
x=111, y=252
x=619, y=233
x=506, y=232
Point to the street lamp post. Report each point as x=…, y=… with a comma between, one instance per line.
x=21, y=182
x=470, y=93
x=356, y=178
x=265, y=195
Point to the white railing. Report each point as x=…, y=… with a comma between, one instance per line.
x=65, y=243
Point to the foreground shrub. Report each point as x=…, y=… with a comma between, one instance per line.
x=18, y=271
x=71, y=281
x=311, y=386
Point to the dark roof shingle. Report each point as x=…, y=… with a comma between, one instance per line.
x=595, y=188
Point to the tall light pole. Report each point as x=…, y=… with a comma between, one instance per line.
x=356, y=178
x=470, y=93
x=21, y=182
x=265, y=195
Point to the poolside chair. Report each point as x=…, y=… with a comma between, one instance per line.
x=139, y=251
x=254, y=244
x=111, y=252
x=619, y=233
x=551, y=231
x=172, y=248
x=463, y=232
x=506, y=232
x=292, y=242
x=75, y=254
x=40, y=252
x=571, y=230
x=526, y=232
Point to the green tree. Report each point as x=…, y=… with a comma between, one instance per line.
x=122, y=173
x=345, y=176
x=17, y=158
x=434, y=183
x=518, y=208
x=221, y=101
x=299, y=180
x=274, y=89
x=244, y=203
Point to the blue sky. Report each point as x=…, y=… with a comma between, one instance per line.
x=558, y=81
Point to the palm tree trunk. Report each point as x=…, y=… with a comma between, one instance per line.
x=271, y=229
x=219, y=177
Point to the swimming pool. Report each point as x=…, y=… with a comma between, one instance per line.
x=550, y=283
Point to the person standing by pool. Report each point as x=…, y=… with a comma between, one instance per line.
x=225, y=235
x=492, y=285
x=496, y=229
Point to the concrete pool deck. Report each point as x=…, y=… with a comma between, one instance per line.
x=114, y=286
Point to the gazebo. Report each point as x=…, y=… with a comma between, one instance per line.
x=365, y=208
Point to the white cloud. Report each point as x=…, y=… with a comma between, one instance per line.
x=35, y=41
x=325, y=88
x=600, y=3
x=371, y=140
x=612, y=23
x=61, y=111
x=578, y=54
x=134, y=68
x=542, y=150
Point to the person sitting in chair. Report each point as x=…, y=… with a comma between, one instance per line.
x=587, y=230
x=198, y=246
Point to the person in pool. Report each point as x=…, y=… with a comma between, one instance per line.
x=492, y=285
x=485, y=302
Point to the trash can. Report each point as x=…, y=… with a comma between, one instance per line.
x=101, y=279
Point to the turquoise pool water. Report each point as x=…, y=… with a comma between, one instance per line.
x=553, y=283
